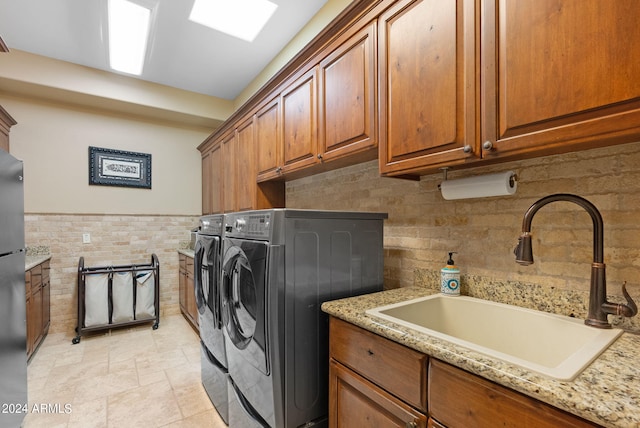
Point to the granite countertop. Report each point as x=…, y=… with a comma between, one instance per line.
x=33, y=260
x=187, y=252
x=606, y=392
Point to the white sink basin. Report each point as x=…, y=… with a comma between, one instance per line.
x=553, y=345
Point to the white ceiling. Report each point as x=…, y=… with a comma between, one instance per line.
x=181, y=53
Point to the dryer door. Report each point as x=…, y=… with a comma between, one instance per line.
x=203, y=271
x=244, y=294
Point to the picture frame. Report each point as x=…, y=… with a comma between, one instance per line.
x=109, y=167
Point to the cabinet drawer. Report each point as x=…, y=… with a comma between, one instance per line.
x=461, y=399
x=393, y=367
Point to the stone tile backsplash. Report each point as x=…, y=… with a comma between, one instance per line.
x=422, y=227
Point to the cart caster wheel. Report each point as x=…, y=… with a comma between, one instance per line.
x=75, y=340
x=155, y=326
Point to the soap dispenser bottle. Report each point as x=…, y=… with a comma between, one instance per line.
x=450, y=278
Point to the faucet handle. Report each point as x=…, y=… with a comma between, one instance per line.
x=630, y=309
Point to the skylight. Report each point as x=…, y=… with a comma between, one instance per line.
x=128, y=34
x=239, y=18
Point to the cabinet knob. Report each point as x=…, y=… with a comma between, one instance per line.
x=279, y=169
x=487, y=145
x=467, y=149
x=411, y=424
x=319, y=156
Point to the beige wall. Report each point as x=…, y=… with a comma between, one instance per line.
x=53, y=140
x=126, y=225
x=422, y=226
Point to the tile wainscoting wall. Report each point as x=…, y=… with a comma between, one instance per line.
x=422, y=226
x=115, y=240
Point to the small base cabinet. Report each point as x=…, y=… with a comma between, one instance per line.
x=38, y=292
x=374, y=381
x=186, y=288
x=359, y=402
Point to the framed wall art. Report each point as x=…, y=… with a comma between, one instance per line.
x=109, y=167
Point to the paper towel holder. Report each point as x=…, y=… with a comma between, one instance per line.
x=512, y=183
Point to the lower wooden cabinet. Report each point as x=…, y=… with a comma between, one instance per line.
x=374, y=381
x=38, y=312
x=186, y=289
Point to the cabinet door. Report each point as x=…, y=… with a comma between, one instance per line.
x=4, y=141
x=246, y=171
x=182, y=283
x=192, y=306
x=46, y=306
x=6, y=122
x=230, y=167
x=356, y=402
x=428, y=78
x=36, y=312
x=299, y=123
x=46, y=297
x=206, y=182
x=269, y=140
x=559, y=75
x=347, y=100
x=36, y=303
x=212, y=181
x=29, y=313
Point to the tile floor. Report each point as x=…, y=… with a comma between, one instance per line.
x=130, y=377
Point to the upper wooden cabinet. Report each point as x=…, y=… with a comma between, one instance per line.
x=428, y=85
x=449, y=84
x=245, y=166
x=300, y=123
x=559, y=75
x=212, y=180
x=347, y=97
x=268, y=131
x=229, y=172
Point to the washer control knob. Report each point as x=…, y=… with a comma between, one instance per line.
x=240, y=224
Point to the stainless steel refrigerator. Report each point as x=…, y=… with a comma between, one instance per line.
x=13, y=330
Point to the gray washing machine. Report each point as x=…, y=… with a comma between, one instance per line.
x=208, y=300
x=278, y=267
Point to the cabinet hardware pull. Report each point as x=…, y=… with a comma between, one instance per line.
x=279, y=169
x=488, y=145
x=319, y=156
x=467, y=148
x=411, y=424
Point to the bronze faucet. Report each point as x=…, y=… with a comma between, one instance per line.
x=599, y=307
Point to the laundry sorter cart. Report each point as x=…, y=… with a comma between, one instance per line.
x=117, y=296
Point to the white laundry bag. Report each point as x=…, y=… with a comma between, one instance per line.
x=145, y=295
x=96, y=300
x=122, y=297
